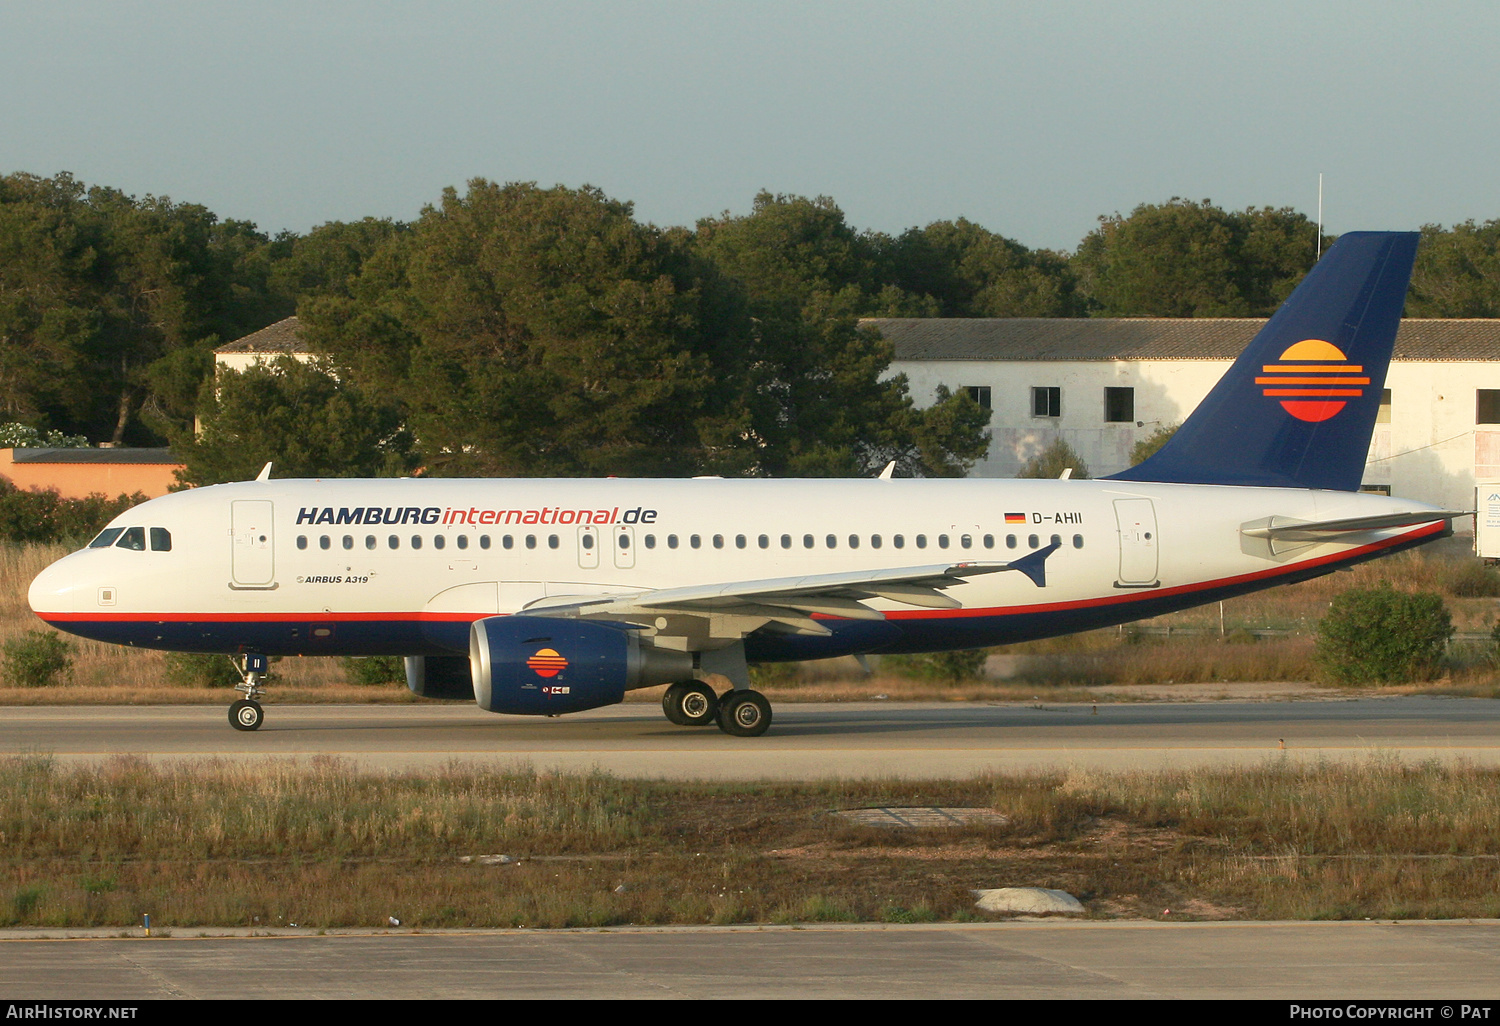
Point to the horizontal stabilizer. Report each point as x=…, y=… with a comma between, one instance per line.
x=1290, y=529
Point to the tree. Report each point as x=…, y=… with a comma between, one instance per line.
x=1383, y=635
x=1053, y=460
x=1151, y=444
x=1457, y=273
x=969, y=271
x=1186, y=259
x=298, y=416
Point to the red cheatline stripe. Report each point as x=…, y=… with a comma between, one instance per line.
x=1312, y=391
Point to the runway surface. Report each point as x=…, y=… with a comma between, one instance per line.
x=805, y=741
x=1455, y=962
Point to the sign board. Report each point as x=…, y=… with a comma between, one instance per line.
x=1487, y=520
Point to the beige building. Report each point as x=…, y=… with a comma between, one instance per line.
x=1102, y=384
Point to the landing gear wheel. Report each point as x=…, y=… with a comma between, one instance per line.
x=244, y=715
x=744, y=713
x=692, y=704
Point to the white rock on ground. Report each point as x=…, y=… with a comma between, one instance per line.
x=1030, y=900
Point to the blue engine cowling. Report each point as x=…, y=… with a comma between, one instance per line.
x=539, y=666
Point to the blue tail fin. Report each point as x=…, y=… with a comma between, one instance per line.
x=1296, y=409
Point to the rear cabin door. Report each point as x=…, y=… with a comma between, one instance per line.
x=254, y=549
x=1138, y=563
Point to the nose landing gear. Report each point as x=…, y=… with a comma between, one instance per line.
x=246, y=713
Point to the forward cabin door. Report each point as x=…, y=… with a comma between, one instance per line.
x=254, y=549
x=1136, y=519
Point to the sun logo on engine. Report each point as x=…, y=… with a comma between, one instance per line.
x=547, y=663
x=1314, y=381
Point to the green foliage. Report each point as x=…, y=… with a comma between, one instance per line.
x=953, y=667
x=200, y=670
x=23, y=436
x=44, y=516
x=969, y=271
x=1457, y=273
x=374, y=670
x=298, y=416
x=37, y=659
x=1151, y=444
x=1383, y=635
x=1053, y=460
x=1186, y=259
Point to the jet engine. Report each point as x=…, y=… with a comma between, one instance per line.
x=539, y=666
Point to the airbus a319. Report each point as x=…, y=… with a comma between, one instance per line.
x=543, y=597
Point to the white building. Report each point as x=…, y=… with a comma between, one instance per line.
x=280, y=339
x=1103, y=384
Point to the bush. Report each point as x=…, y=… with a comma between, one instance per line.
x=45, y=516
x=1380, y=634
x=38, y=659
x=954, y=667
x=1053, y=460
x=196, y=670
x=374, y=670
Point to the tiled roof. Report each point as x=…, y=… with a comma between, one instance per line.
x=163, y=456
x=1147, y=338
x=281, y=337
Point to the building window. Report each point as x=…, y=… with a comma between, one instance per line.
x=1046, y=402
x=1487, y=406
x=980, y=394
x=1119, y=405
x=1383, y=415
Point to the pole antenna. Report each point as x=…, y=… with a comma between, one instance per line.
x=1320, y=215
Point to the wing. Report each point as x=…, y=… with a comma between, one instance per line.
x=729, y=611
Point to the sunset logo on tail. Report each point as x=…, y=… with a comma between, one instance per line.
x=1313, y=381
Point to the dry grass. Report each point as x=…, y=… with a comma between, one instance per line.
x=322, y=845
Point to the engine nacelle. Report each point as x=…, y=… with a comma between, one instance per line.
x=540, y=666
x=439, y=677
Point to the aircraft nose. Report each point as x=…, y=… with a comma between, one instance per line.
x=54, y=590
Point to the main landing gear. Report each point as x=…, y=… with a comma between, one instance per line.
x=246, y=714
x=740, y=712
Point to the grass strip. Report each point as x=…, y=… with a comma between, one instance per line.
x=321, y=844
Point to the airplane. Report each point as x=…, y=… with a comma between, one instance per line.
x=545, y=597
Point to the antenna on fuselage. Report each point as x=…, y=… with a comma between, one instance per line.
x=265, y=472
x=889, y=471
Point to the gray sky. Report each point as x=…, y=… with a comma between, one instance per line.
x=1030, y=118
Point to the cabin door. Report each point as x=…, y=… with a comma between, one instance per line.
x=1136, y=519
x=254, y=550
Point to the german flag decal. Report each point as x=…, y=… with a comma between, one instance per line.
x=547, y=663
x=1314, y=380
x=1015, y=518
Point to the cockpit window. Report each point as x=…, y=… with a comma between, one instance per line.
x=106, y=538
x=133, y=538
x=161, y=539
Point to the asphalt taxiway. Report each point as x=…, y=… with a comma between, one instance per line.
x=805, y=741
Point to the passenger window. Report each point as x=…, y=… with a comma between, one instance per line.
x=484, y=541
x=966, y=541
x=438, y=541
x=696, y=542
x=301, y=541
x=348, y=541
x=1010, y=541
x=763, y=541
x=1032, y=541
x=942, y=541
x=161, y=539
x=808, y=541
x=874, y=541
x=109, y=534
x=134, y=539
x=531, y=541
x=989, y=541
x=324, y=542
x=786, y=541
x=831, y=541
x=416, y=541
x=671, y=541
x=1078, y=541
x=553, y=541
x=899, y=541
x=369, y=541
x=393, y=542
x=623, y=541
x=718, y=541
x=921, y=541
x=854, y=541
x=739, y=541
x=1056, y=540
x=462, y=541
x=650, y=541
